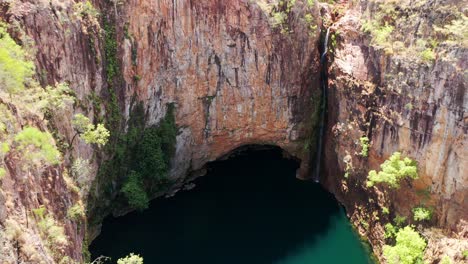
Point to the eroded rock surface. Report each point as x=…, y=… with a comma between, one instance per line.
x=400, y=103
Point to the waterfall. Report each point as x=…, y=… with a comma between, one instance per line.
x=323, y=108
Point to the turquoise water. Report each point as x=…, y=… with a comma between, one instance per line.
x=248, y=209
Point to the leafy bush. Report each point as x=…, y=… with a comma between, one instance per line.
x=456, y=32
x=393, y=171
x=134, y=192
x=56, y=98
x=364, y=146
x=445, y=260
x=427, y=55
x=409, y=248
x=2, y=173
x=15, y=68
x=131, y=259
x=381, y=34
x=465, y=253
x=50, y=230
x=422, y=214
x=37, y=145
x=399, y=220
x=90, y=133
x=85, y=9
x=390, y=230
x=96, y=134
x=385, y=210
x=76, y=212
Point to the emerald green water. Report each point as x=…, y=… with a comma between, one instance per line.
x=248, y=209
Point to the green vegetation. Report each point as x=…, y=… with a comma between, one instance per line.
x=393, y=171
x=455, y=32
x=135, y=193
x=409, y=248
x=37, y=145
x=131, y=259
x=278, y=13
x=50, y=230
x=15, y=68
x=427, y=55
x=364, y=146
x=85, y=9
x=76, y=212
x=140, y=158
x=385, y=210
x=2, y=173
x=380, y=34
x=422, y=214
x=399, y=220
x=445, y=260
x=55, y=98
x=90, y=133
x=390, y=230
x=465, y=253
x=110, y=50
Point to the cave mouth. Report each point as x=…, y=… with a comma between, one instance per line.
x=249, y=208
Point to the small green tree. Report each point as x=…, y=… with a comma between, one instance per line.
x=134, y=192
x=90, y=133
x=422, y=213
x=37, y=145
x=15, y=68
x=131, y=259
x=409, y=248
x=393, y=170
x=364, y=146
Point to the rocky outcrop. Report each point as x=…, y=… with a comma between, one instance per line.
x=401, y=103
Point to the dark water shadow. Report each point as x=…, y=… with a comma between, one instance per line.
x=248, y=209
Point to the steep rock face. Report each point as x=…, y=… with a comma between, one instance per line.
x=401, y=104
x=234, y=79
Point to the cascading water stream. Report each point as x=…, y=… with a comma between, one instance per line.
x=323, y=108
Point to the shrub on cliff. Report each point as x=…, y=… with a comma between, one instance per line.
x=15, y=68
x=393, y=170
x=364, y=146
x=134, y=192
x=422, y=213
x=37, y=145
x=409, y=248
x=91, y=134
x=131, y=259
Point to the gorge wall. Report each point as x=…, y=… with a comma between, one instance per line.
x=247, y=72
x=401, y=101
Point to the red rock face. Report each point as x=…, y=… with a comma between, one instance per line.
x=234, y=80
x=402, y=105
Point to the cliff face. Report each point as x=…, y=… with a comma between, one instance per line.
x=237, y=75
x=234, y=79
x=403, y=102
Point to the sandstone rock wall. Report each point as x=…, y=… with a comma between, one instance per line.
x=401, y=104
x=233, y=78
